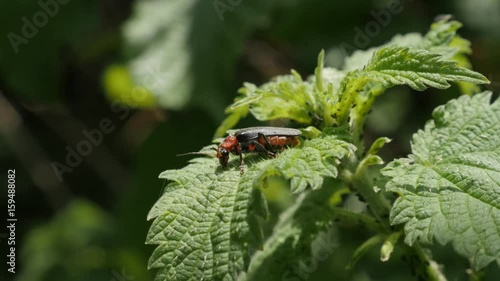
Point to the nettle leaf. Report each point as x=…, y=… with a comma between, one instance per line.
x=450, y=186
x=205, y=222
x=359, y=58
x=442, y=38
x=414, y=60
x=307, y=102
x=325, y=98
x=298, y=240
x=290, y=92
x=316, y=159
x=331, y=76
x=419, y=69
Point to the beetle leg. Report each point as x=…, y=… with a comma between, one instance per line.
x=262, y=142
x=242, y=164
x=261, y=148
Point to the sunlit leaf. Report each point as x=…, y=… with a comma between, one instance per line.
x=450, y=186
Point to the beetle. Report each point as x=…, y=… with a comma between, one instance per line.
x=266, y=140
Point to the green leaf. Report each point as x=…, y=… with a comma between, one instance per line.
x=419, y=69
x=412, y=59
x=297, y=239
x=311, y=132
x=360, y=58
x=308, y=165
x=166, y=44
x=377, y=145
x=443, y=39
x=318, y=72
x=371, y=157
x=370, y=160
x=440, y=36
x=205, y=224
x=388, y=246
x=449, y=187
x=293, y=96
x=326, y=98
x=396, y=65
x=306, y=102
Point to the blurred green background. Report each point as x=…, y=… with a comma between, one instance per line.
x=150, y=79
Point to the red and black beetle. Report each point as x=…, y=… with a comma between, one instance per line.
x=267, y=140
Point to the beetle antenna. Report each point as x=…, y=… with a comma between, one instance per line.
x=196, y=153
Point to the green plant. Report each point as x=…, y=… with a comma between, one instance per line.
x=206, y=223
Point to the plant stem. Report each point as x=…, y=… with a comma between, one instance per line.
x=430, y=267
x=380, y=208
x=376, y=202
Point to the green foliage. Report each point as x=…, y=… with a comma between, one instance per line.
x=81, y=243
x=81, y=246
x=166, y=44
x=308, y=165
x=326, y=98
x=388, y=247
x=205, y=223
x=207, y=214
x=120, y=87
x=442, y=38
x=294, y=234
x=449, y=186
x=31, y=54
x=419, y=69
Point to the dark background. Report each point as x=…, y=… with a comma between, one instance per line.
x=78, y=69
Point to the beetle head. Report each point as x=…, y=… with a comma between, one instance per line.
x=223, y=156
x=229, y=144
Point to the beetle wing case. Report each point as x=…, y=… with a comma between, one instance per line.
x=252, y=133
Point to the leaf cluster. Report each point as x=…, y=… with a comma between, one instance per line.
x=206, y=223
